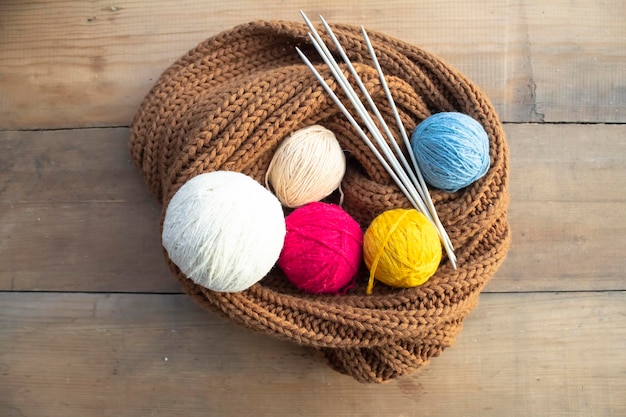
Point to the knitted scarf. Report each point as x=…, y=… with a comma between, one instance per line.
x=228, y=103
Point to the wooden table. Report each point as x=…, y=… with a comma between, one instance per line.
x=92, y=324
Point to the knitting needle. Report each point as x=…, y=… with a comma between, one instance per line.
x=422, y=183
x=353, y=122
x=341, y=79
x=351, y=94
x=419, y=182
x=371, y=103
x=358, y=105
x=367, y=140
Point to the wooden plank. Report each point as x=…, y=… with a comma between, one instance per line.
x=93, y=63
x=573, y=55
x=76, y=216
x=564, y=246
x=567, y=215
x=121, y=355
x=67, y=65
x=69, y=166
x=567, y=163
x=82, y=247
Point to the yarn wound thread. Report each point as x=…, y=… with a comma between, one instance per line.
x=401, y=248
x=323, y=248
x=451, y=149
x=211, y=233
x=229, y=102
x=306, y=167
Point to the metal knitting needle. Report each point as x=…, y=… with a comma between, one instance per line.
x=371, y=103
x=408, y=187
x=352, y=121
x=422, y=183
x=418, y=182
x=341, y=79
x=367, y=141
x=351, y=94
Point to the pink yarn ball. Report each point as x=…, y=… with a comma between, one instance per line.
x=323, y=248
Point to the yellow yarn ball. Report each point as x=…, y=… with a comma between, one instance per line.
x=401, y=249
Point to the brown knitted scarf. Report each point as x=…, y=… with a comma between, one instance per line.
x=228, y=103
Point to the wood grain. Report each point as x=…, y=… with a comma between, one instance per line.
x=76, y=216
x=64, y=64
x=159, y=355
x=93, y=324
x=567, y=211
x=573, y=55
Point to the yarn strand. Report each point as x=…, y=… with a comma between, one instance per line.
x=381, y=250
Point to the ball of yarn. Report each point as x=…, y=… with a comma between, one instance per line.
x=401, y=248
x=323, y=247
x=224, y=230
x=307, y=166
x=451, y=149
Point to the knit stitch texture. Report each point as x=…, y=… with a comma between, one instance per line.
x=227, y=104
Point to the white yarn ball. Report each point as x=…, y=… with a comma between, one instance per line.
x=307, y=166
x=224, y=230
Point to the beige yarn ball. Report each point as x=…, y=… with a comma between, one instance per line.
x=307, y=166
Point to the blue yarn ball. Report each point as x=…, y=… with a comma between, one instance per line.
x=451, y=149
